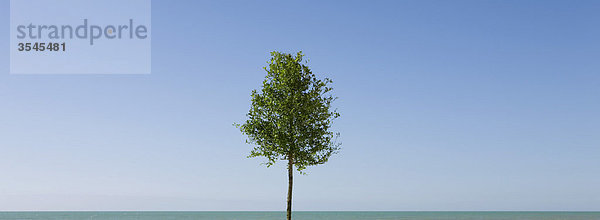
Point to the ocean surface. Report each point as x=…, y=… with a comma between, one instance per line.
x=299, y=215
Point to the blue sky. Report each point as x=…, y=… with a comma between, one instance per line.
x=446, y=105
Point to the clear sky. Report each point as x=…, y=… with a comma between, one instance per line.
x=446, y=105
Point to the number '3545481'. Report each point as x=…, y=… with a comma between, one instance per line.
x=42, y=46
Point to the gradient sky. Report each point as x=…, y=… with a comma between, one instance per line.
x=446, y=105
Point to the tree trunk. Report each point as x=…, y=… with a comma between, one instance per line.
x=290, y=182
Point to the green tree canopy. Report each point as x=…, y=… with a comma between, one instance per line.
x=291, y=117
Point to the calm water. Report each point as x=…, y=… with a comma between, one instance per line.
x=300, y=215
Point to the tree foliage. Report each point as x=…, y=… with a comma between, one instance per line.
x=290, y=118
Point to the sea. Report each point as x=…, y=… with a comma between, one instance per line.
x=298, y=215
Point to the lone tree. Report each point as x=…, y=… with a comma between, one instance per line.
x=290, y=119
